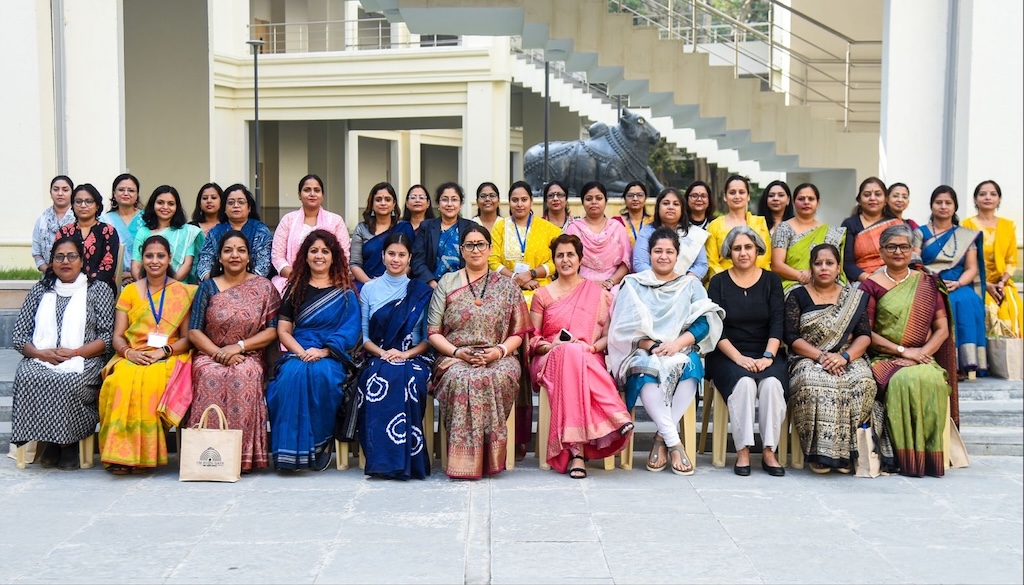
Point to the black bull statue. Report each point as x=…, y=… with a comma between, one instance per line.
x=613, y=155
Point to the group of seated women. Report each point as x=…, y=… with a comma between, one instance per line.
x=478, y=317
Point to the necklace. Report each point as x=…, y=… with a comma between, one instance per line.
x=483, y=291
x=936, y=233
x=885, y=271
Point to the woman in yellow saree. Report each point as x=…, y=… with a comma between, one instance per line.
x=1002, y=301
x=794, y=238
x=150, y=338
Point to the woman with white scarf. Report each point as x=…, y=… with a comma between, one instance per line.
x=661, y=324
x=64, y=332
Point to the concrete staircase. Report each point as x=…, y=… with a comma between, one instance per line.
x=662, y=74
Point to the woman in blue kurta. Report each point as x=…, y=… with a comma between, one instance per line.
x=956, y=254
x=318, y=325
x=393, y=387
x=239, y=208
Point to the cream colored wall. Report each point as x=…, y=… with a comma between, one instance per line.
x=441, y=164
x=167, y=98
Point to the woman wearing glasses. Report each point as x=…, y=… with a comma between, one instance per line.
x=240, y=210
x=634, y=216
x=417, y=206
x=435, y=249
x=700, y=205
x=126, y=216
x=737, y=197
x=99, y=240
x=556, y=205
x=608, y=251
x=521, y=249
x=914, y=359
x=63, y=332
x=691, y=258
x=898, y=196
x=476, y=322
x=488, y=209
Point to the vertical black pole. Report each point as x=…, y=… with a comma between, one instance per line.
x=547, y=116
x=256, y=117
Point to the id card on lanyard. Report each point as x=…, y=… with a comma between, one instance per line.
x=157, y=339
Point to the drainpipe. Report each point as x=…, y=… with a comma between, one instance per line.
x=547, y=114
x=60, y=130
x=949, y=104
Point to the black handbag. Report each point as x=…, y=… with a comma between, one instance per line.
x=346, y=417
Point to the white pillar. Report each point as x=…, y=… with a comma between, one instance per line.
x=485, y=137
x=351, y=213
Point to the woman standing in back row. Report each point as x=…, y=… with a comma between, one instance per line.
x=296, y=225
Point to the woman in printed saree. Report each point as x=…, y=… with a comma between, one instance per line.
x=747, y=366
x=634, y=216
x=556, y=205
x=476, y=321
x=488, y=204
x=150, y=338
x=1005, y=313
x=436, y=245
x=588, y=419
x=99, y=240
x=296, y=225
x=861, y=253
x=393, y=386
x=793, y=239
x=775, y=205
x=737, y=197
x=669, y=213
x=318, y=324
x=380, y=219
x=126, y=216
x=239, y=207
x=833, y=391
x=234, y=316
x=63, y=332
x=955, y=254
x=522, y=243
x=164, y=216
x=608, y=251
x=914, y=361
x=661, y=324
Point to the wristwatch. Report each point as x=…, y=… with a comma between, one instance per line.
x=768, y=355
x=846, y=356
x=533, y=273
x=900, y=349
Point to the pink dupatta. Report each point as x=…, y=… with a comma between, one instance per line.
x=289, y=235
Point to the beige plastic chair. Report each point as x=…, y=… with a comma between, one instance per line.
x=85, y=453
x=720, y=416
x=544, y=428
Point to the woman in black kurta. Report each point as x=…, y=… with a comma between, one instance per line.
x=746, y=366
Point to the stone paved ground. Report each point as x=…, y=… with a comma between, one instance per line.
x=524, y=526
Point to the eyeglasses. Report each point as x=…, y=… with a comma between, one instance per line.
x=474, y=246
x=891, y=248
x=417, y=197
x=126, y=190
x=455, y=201
x=487, y=196
x=235, y=202
x=697, y=196
x=72, y=257
x=84, y=202
x=556, y=195
x=636, y=195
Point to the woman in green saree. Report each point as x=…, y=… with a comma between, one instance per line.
x=793, y=239
x=914, y=359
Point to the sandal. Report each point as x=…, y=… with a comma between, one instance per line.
x=578, y=472
x=625, y=429
x=846, y=469
x=819, y=468
x=119, y=469
x=657, y=461
x=684, y=461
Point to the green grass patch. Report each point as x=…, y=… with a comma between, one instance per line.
x=7, y=273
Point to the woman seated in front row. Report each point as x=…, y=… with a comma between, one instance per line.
x=828, y=333
x=588, y=419
x=63, y=332
x=393, y=386
x=318, y=323
x=234, y=316
x=661, y=324
x=476, y=321
x=150, y=338
x=915, y=361
x=747, y=368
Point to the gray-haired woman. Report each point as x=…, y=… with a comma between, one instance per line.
x=746, y=367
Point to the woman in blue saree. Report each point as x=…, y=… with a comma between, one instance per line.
x=318, y=324
x=955, y=254
x=393, y=387
x=380, y=219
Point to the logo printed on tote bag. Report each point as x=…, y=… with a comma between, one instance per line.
x=210, y=458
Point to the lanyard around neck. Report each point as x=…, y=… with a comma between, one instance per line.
x=523, y=239
x=163, y=295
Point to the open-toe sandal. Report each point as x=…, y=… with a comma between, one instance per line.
x=819, y=468
x=626, y=429
x=658, y=458
x=687, y=467
x=577, y=472
x=119, y=469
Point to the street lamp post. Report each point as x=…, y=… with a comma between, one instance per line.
x=256, y=45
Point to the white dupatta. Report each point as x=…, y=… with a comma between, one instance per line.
x=72, y=326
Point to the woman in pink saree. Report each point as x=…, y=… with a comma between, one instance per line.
x=588, y=419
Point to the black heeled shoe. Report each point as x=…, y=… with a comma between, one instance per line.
x=772, y=471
